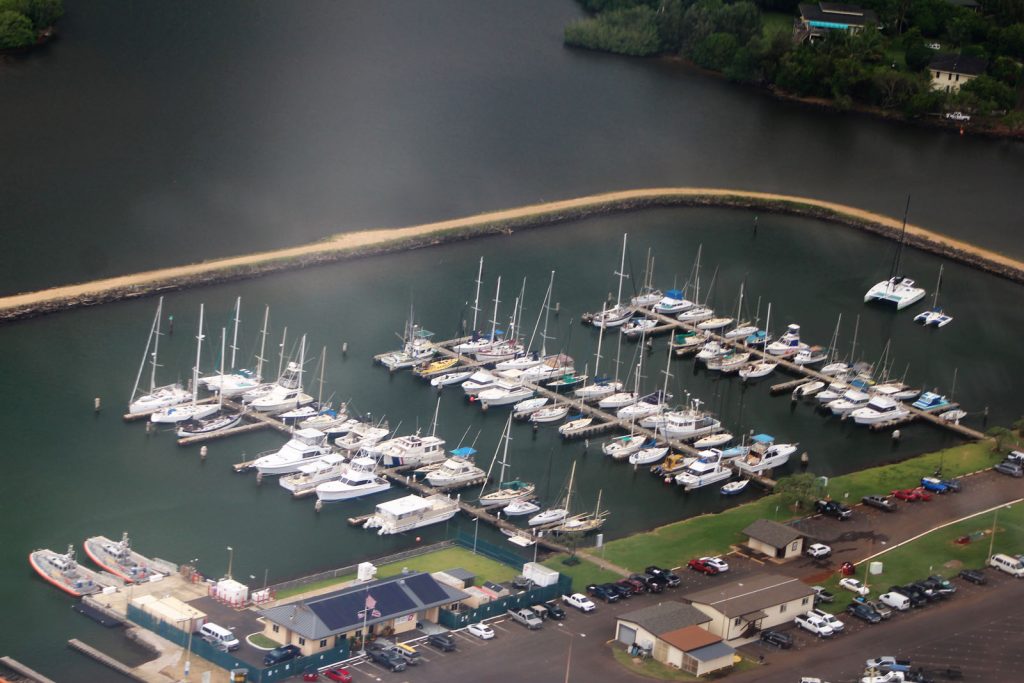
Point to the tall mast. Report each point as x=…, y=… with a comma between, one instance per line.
x=437, y=409
x=280, y=358
x=234, y=337
x=668, y=374
x=547, y=309
x=302, y=360
x=156, y=347
x=220, y=394
x=622, y=270
x=618, y=353
x=263, y=343
x=323, y=364
x=497, y=300
x=739, y=306
x=199, y=349
x=853, y=346
x=835, y=340
x=476, y=297
x=696, y=276
x=767, y=322
x=899, y=249
x=938, y=283
x=145, y=354
x=568, y=492
x=600, y=338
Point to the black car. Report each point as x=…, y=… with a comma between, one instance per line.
x=953, y=485
x=522, y=583
x=633, y=587
x=624, y=592
x=554, y=611
x=672, y=579
x=881, y=502
x=975, y=576
x=652, y=586
x=659, y=579
x=833, y=509
x=597, y=591
x=778, y=639
x=387, y=658
x=916, y=597
x=939, y=585
x=281, y=654
x=864, y=612
x=444, y=641
x=930, y=594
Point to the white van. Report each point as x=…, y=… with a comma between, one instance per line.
x=1005, y=563
x=219, y=636
x=895, y=600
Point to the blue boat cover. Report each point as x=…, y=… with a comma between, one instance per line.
x=764, y=438
x=464, y=452
x=674, y=294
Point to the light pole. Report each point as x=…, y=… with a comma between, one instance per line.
x=231, y=557
x=476, y=530
x=188, y=650
x=992, y=539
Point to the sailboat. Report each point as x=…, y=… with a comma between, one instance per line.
x=265, y=388
x=743, y=328
x=698, y=312
x=507, y=491
x=618, y=314
x=582, y=523
x=766, y=365
x=836, y=367
x=530, y=358
x=556, y=514
x=602, y=386
x=509, y=347
x=648, y=295
x=314, y=409
x=241, y=380
x=287, y=394
x=477, y=341
x=157, y=397
x=936, y=317
x=219, y=421
x=897, y=290
x=193, y=410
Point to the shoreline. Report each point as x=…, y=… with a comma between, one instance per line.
x=382, y=241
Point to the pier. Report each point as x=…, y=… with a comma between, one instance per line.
x=22, y=670
x=106, y=660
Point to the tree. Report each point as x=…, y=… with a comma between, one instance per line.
x=631, y=31
x=985, y=94
x=1006, y=71
x=799, y=490
x=41, y=13
x=716, y=51
x=1009, y=40
x=1001, y=438
x=15, y=30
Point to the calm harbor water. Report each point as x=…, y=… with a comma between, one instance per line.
x=156, y=133
x=74, y=474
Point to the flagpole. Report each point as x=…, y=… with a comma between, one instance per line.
x=366, y=611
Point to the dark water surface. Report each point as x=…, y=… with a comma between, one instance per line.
x=72, y=474
x=158, y=133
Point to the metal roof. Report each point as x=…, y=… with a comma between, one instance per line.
x=711, y=652
x=665, y=617
x=749, y=595
x=774, y=534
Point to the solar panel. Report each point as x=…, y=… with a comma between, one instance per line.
x=426, y=588
x=346, y=610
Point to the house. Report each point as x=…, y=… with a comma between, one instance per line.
x=775, y=540
x=817, y=20
x=387, y=606
x=672, y=632
x=742, y=608
x=949, y=72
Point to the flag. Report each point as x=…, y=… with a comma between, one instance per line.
x=370, y=602
x=369, y=609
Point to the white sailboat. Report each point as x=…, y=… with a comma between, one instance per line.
x=618, y=314
x=936, y=317
x=265, y=388
x=601, y=386
x=477, y=341
x=648, y=295
x=157, y=397
x=524, y=409
x=239, y=380
x=898, y=290
x=507, y=491
x=556, y=514
x=220, y=420
x=193, y=410
x=509, y=347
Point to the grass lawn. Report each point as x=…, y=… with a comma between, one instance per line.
x=485, y=568
x=652, y=669
x=582, y=574
x=776, y=21
x=897, y=57
x=261, y=641
x=939, y=553
x=673, y=545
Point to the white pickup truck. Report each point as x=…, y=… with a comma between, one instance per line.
x=526, y=617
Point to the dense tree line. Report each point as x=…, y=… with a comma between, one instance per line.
x=22, y=21
x=729, y=37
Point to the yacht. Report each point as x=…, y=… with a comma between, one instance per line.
x=519, y=507
x=455, y=472
x=363, y=435
x=310, y=475
x=810, y=355
x=764, y=454
x=359, y=478
x=703, y=472
x=305, y=446
x=503, y=393
x=851, y=400
x=450, y=378
x=930, y=401
x=789, y=344
x=672, y=303
x=411, y=512
x=690, y=423
x=480, y=380
x=408, y=450
x=287, y=394
x=880, y=409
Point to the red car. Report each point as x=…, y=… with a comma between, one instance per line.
x=702, y=566
x=338, y=674
x=911, y=495
x=312, y=675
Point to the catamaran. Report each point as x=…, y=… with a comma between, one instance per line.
x=411, y=512
x=157, y=397
x=898, y=290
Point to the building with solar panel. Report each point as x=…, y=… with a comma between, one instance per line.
x=386, y=607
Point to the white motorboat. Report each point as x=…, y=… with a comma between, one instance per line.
x=455, y=472
x=525, y=409
x=764, y=454
x=621, y=447
x=363, y=435
x=305, y=446
x=618, y=314
x=690, y=423
x=411, y=512
x=183, y=412
x=648, y=456
x=930, y=401
x=761, y=368
x=808, y=389
x=880, y=409
x=519, y=507
x=450, y=378
x=713, y=349
x=851, y=400
x=359, y=478
x=789, y=344
x=156, y=397
x=549, y=414
x=810, y=355
x=480, y=380
x=734, y=488
x=310, y=475
x=655, y=402
x=672, y=303
x=287, y=394
x=896, y=390
x=408, y=450
x=713, y=440
x=835, y=369
x=954, y=415
x=703, y=472
x=638, y=326
x=504, y=393
x=571, y=427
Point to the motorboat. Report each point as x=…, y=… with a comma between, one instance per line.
x=411, y=512
x=525, y=409
x=703, y=472
x=898, y=290
x=552, y=367
x=572, y=427
x=931, y=401
x=363, y=435
x=648, y=456
x=359, y=478
x=851, y=400
x=287, y=394
x=690, y=423
x=761, y=368
x=810, y=355
x=305, y=446
x=757, y=338
x=435, y=366
x=685, y=343
x=654, y=402
x=672, y=465
x=764, y=454
x=64, y=572
x=672, y=303
x=713, y=440
x=734, y=488
x=808, y=389
x=638, y=326
x=450, y=378
x=310, y=475
x=156, y=397
x=712, y=349
x=455, y=472
x=896, y=390
x=521, y=506
x=480, y=380
x=549, y=414
x=408, y=450
x=880, y=409
x=789, y=344
x=953, y=415
x=503, y=393
x=621, y=447
x=119, y=559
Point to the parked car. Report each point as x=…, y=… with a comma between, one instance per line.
x=338, y=674
x=881, y=502
x=442, y=641
x=671, y=579
x=821, y=594
x=526, y=617
x=930, y=594
x=311, y=675
x=638, y=585
x=933, y=484
x=580, y=602
x=888, y=663
x=916, y=597
x=657, y=579
x=814, y=624
x=940, y=585
x=953, y=485
x=830, y=619
x=599, y=591
x=554, y=611
x=699, y=565
x=1016, y=456
x=818, y=550
x=652, y=586
x=853, y=585
x=895, y=600
x=481, y=631
x=912, y=495
x=624, y=592
x=1008, y=468
x=833, y=508
x=634, y=587
x=716, y=562
x=281, y=654
x=779, y=639
x=881, y=608
x=975, y=576
x=864, y=612
x=389, y=659
x=522, y=583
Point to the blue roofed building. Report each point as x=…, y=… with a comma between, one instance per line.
x=388, y=606
x=816, y=20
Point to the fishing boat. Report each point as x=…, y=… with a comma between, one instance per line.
x=621, y=447
x=936, y=317
x=618, y=314
x=193, y=410
x=305, y=446
x=898, y=290
x=648, y=456
x=455, y=472
x=310, y=475
x=358, y=478
x=703, y=472
x=521, y=506
x=713, y=440
x=764, y=454
x=672, y=303
x=287, y=393
x=734, y=488
x=411, y=512
x=119, y=559
x=808, y=389
x=549, y=414
x=64, y=572
x=690, y=423
x=789, y=344
x=506, y=491
x=239, y=380
x=880, y=409
x=931, y=401
x=156, y=397
x=450, y=378
x=572, y=427
x=417, y=348
x=412, y=449
x=504, y=392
